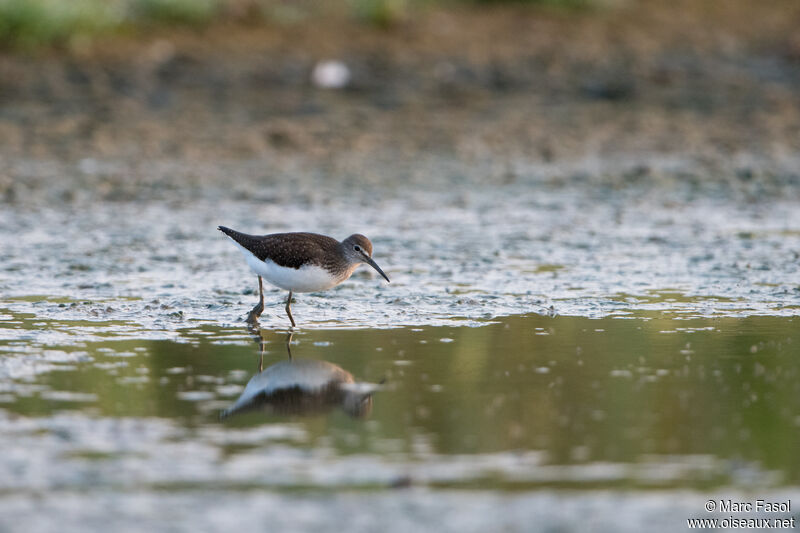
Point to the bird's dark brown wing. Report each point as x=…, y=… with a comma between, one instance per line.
x=291, y=250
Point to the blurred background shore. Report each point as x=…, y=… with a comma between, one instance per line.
x=130, y=100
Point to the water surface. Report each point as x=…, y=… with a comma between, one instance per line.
x=522, y=402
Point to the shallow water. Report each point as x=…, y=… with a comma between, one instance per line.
x=454, y=258
x=542, y=355
x=539, y=406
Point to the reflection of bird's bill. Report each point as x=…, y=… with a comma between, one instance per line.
x=374, y=265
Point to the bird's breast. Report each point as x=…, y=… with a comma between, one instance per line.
x=307, y=278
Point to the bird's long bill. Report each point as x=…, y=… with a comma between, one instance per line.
x=374, y=265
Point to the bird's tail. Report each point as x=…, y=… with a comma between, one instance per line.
x=249, y=242
x=233, y=234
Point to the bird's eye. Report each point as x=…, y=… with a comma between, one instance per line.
x=357, y=248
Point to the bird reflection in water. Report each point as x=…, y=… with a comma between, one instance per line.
x=301, y=387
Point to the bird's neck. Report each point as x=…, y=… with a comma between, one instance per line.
x=347, y=271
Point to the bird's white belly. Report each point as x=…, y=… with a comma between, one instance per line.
x=308, y=278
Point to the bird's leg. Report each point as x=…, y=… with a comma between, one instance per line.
x=288, y=344
x=258, y=336
x=259, y=308
x=289, y=309
x=261, y=346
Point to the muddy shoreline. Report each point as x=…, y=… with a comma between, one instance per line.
x=672, y=95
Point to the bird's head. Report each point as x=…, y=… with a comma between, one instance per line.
x=358, y=249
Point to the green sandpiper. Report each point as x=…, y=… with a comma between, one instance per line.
x=301, y=262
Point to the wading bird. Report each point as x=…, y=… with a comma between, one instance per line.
x=301, y=262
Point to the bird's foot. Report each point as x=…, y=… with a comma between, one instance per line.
x=252, y=317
